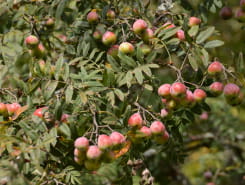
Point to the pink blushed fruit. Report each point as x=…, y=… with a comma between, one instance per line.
x=215, y=68
x=194, y=21
x=204, y=116
x=81, y=143
x=199, y=95
x=109, y=38
x=178, y=89
x=168, y=25
x=12, y=108
x=240, y=15
x=147, y=35
x=104, y=142
x=93, y=17
x=242, y=4
x=31, y=41
x=93, y=152
x=126, y=48
x=146, y=131
x=64, y=118
x=97, y=35
x=226, y=13
x=135, y=120
x=3, y=109
x=180, y=34
x=40, y=112
x=117, y=138
x=113, y=51
x=157, y=128
x=49, y=23
x=189, y=98
x=164, y=113
x=164, y=90
x=110, y=14
x=231, y=90
x=139, y=26
x=216, y=88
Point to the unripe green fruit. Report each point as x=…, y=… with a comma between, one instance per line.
x=147, y=35
x=92, y=165
x=3, y=109
x=109, y=38
x=145, y=49
x=126, y=48
x=161, y=139
x=79, y=161
x=80, y=154
x=42, y=65
x=108, y=157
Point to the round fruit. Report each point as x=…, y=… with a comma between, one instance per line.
x=117, y=138
x=31, y=41
x=38, y=51
x=104, y=142
x=180, y=35
x=189, y=98
x=3, y=109
x=216, y=88
x=97, y=35
x=160, y=139
x=147, y=35
x=204, y=116
x=157, y=128
x=231, y=90
x=113, y=51
x=64, y=118
x=215, y=68
x=12, y=108
x=199, y=95
x=145, y=49
x=79, y=154
x=93, y=152
x=110, y=14
x=164, y=113
x=78, y=161
x=164, y=90
x=108, y=156
x=126, y=48
x=226, y=13
x=49, y=23
x=93, y=17
x=240, y=15
x=40, y=112
x=109, y=38
x=178, y=89
x=135, y=120
x=81, y=143
x=139, y=26
x=145, y=131
x=194, y=21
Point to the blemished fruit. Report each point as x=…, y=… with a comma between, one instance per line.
x=145, y=49
x=135, y=120
x=49, y=23
x=215, y=68
x=126, y=48
x=194, y=21
x=113, y=51
x=104, y=142
x=12, y=108
x=117, y=138
x=180, y=34
x=92, y=165
x=40, y=112
x=145, y=131
x=157, y=128
x=164, y=90
x=226, y=13
x=216, y=88
x=139, y=26
x=199, y=95
x=242, y=4
x=97, y=35
x=110, y=14
x=147, y=35
x=31, y=41
x=93, y=152
x=81, y=143
x=93, y=17
x=178, y=89
x=3, y=109
x=109, y=38
x=164, y=113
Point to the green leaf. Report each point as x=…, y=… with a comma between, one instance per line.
x=213, y=44
x=86, y=49
x=60, y=9
x=193, y=62
x=204, y=35
x=69, y=94
x=111, y=97
x=205, y=58
x=139, y=76
x=139, y=54
x=64, y=128
x=126, y=59
x=129, y=77
x=119, y=94
x=58, y=67
x=50, y=88
x=193, y=31
x=113, y=63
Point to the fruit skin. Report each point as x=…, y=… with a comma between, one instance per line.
x=79, y=154
x=145, y=49
x=126, y=48
x=81, y=143
x=199, y=95
x=189, y=99
x=215, y=68
x=226, y=13
x=39, y=112
x=180, y=34
x=240, y=15
x=194, y=21
x=78, y=161
x=147, y=35
x=113, y=51
x=145, y=131
x=3, y=109
x=93, y=152
x=64, y=118
x=160, y=139
x=104, y=142
x=93, y=17
x=42, y=64
x=97, y=35
x=231, y=90
x=92, y=165
x=157, y=128
x=204, y=116
x=117, y=138
x=109, y=38
x=135, y=120
x=164, y=90
x=110, y=14
x=242, y=4
x=39, y=51
x=178, y=89
x=139, y=26
x=12, y=108
x=168, y=25
x=31, y=41
x=216, y=88
x=49, y=23
x=164, y=113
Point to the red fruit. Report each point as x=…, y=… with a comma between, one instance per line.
x=164, y=113
x=215, y=68
x=231, y=90
x=126, y=48
x=204, y=116
x=81, y=143
x=164, y=101
x=135, y=120
x=64, y=118
x=242, y=4
x=180, y=35
x=199, y=95
x=240, y=15
x=49, y=23
x=177, y=89
x=168, y=25
x=3, y=109
x=110, y=14
x=12, y=108
x=164, y=90
x=147, y=35
x=40, y=112
x=216, y=88
x=92, y=165
x=93, y=152
x=117, y=138
x=194, y=21
x=146, y=132
x=113, y=51
x=189, y=98
x=145, y=49
x=225, y=13
x=97, y=35
x=63, y=38
x=93, y=17
x=139, y=26
x=31, y=41
x=109, y=38
x=157, y=127
x=104, y=142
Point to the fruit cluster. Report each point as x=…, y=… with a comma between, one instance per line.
x=36, y=48
x=8, y=110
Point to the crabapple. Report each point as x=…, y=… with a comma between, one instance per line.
x=135, y=120
x=194, y=21
x=225, y=13
x=81, y=143
x=164, y=90
x=177, y=89
x=104, y=142
x=215, y=68
x=139, y=26
x=109, y=38
x=93, y=152
x=126, y=48
x=157, y=128
x=199, y=95
x=93, y=17
x=117, y=138
x=216, y=88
